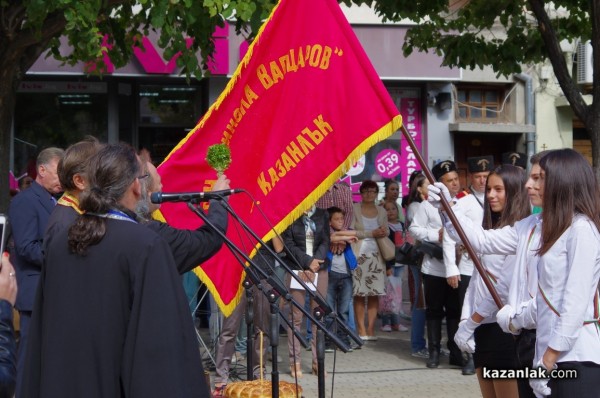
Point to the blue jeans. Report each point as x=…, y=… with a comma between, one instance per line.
x=339, y=296
x=351, y=323
x=417, y=331
x=393, y=319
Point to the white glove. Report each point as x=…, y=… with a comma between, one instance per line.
x=504, y=317
x=540, y=386
x=525, y=316
x=464, y=337
x=435, y=192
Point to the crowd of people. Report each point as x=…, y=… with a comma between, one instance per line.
x=92, y=270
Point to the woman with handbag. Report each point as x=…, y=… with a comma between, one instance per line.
x=370, y=223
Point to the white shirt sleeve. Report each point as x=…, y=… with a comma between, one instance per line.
x=424, y=225
x=449, y=247
x=583, y=248
x=491, y=241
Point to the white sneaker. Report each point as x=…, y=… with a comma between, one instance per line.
x=400, y=328
x=386, y=328
x=423, y=353
x=237, y=357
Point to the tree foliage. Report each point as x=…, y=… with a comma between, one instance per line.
x=506, y=35
x=30, y=28
x=462, y=31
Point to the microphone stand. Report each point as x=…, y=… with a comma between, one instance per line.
x=320, y=354
x=322, y=310
x=321, y=302
x=250, y=271
x=249, y=329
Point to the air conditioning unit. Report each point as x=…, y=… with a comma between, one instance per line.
x=585, y=66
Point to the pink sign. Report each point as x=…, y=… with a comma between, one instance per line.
x=387, y=163
x=153, y=62
x=410, y=109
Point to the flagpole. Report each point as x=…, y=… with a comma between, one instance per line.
x=454, y=220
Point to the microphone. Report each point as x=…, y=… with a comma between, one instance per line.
x=162, y=197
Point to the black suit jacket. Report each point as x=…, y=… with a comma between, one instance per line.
x=28, y=214
x=294, y=239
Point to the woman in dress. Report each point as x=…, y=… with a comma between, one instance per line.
x=370, y=223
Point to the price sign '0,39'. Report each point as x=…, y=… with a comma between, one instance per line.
x=387, y=163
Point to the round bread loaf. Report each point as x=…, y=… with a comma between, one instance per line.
x=260, y=389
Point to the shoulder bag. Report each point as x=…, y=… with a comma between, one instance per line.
x=386, y=248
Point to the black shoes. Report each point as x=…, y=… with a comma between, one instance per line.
x=434, y=359
x=469, y=367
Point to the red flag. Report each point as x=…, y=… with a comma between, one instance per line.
x=302, y=106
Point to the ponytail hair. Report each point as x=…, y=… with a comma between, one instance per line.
x=111, y=172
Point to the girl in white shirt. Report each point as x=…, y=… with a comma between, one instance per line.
x=564, y=304
x=505, y=202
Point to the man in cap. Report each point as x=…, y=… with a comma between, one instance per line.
x=440, y=299
x=459, y=266
x=515, y=158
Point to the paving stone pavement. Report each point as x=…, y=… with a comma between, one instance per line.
x=381, y=369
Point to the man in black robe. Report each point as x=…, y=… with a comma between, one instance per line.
x=112, y=322
x=190, y=248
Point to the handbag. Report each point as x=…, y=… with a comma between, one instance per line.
x=386, y=248
x=432, y=249
x=391, y=302
x=409, y=254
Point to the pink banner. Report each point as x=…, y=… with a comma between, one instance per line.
x=410, y=109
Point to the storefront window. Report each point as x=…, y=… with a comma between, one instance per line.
x=56, y=114
x=167, y=105
x=166, y=114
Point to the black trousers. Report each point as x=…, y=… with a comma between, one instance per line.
x=586, y=385
x=441, y=300
x=525, y=350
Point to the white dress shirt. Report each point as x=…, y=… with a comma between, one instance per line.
x=469, y=207
x=568, y=277
x=425, y=226
x=522, y=240
x=478, y=298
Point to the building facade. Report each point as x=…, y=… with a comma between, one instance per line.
x=450, y=113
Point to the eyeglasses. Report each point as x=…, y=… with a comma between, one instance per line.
x=143, y=176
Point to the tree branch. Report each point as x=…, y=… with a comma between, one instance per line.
x=12, y=17
x=566, y=82
x=53, y=26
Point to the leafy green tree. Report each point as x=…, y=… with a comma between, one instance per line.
x=455, y=29
x=29, y=28
x=505, y=35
